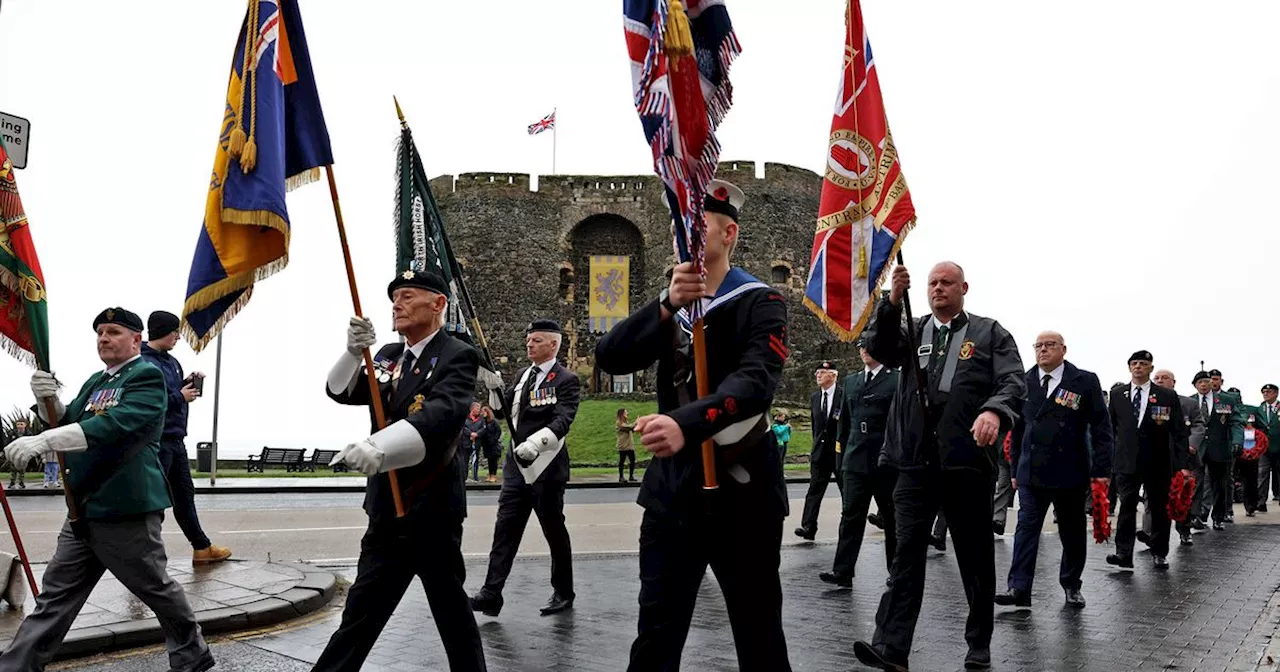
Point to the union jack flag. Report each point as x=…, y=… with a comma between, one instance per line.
x=865, y=211
x=547, y=123
x=680, y=105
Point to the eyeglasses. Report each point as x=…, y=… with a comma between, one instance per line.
x=1045, y=345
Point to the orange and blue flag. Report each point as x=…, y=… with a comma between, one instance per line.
x=865, y=211
x=273, y=139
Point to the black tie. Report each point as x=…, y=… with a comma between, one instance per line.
x=1044, y=385
x=405, y=367
x=824, y=405
x=870, y=375
x=528, y=386
x=1137, y=402
x=1204, y=407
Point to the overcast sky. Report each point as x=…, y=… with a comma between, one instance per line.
x=1103, y=169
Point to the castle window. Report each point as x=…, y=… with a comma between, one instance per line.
x=781, y=274
x=566, y=283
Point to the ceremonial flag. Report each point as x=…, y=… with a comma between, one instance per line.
x=610, y=285
x=24, y=311
x=422, y=243
x=273, y=139
x=680, y=78
x=547, y=123
x=865, y=211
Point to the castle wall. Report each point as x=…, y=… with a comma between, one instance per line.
x=526, y=254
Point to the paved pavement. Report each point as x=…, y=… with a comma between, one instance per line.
x=1215, y=609
x=230, y=596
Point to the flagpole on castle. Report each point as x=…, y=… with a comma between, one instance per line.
x=553, y=141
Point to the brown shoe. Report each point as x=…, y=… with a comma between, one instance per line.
x=210, y=555
x=491, y=479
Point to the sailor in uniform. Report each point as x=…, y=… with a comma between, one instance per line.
x=737, y=530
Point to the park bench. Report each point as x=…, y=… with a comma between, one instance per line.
x=322, y=458
x=289, y=458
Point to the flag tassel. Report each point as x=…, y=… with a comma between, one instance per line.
x=678, y=39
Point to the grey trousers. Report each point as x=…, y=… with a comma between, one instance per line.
x=1004, y=495
x=133, y=552
x=1267, y=487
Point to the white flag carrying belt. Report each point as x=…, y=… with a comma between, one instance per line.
x=539, y=465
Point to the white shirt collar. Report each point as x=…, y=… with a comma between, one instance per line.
x=876, y=371
x=937, y=324
x=418, y=347
x=1145, y=387
x=116, y=369
x=1055, y=374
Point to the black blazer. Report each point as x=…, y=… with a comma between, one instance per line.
x=1163, y=432
x=435, y=397
x=1054, y=437
x=561, y=387
x=825, y=432
x=865, y=405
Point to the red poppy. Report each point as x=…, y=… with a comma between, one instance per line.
x=712, y=414
x=551, y=376
x=731, y=405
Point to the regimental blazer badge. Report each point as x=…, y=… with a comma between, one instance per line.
x=416, y=406
x=966, y=350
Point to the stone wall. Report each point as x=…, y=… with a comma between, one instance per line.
x=526, y=254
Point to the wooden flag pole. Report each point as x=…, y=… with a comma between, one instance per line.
x=704, y=389
x=374, y=394
x=17, y=540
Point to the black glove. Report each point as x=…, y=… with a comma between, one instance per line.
x=1237, y=450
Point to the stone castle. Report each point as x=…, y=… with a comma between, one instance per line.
x=526, y=255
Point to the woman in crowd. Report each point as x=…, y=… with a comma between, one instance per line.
x=626, y=446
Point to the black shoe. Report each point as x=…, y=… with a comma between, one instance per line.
x=807, y=535
x=888, y=582
x=1197, y=524
x=875, y=519
x=1262, y=508
x=1014, y=598
x=836, y=579
x=1185, y=538
x=1159, y=562
x=870, y=656
x=1248, y=514
x=1074, y=598
x=1230, y=519
x=205, y=663
x=1120, y=560
x=1217, y=525
x=940, y=543
x=487, y=603
x=557, y=604
x=632, y=479
x=1144, y=537
x=997, y=527
x=978, y=659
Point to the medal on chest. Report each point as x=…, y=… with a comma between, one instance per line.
x=102, y=401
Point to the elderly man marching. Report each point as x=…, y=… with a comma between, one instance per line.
x=109, y=436
x=539, y=409
x=426, y=384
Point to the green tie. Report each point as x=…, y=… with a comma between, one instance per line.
x=940, y=342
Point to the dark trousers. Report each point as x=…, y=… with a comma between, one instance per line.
x=1033, y=506
x=1202, y=501
x=391, y=554
x=964, y=496
x=1004, y=495
x=1268, y=466
x=1249, y=479
x=493, y=463
x=1155, y=483
x=515, y=503
x=859, y=489
x=177, y=471
x=820, y=473
x=743, y=552
x=624, y=457
x=1220, y=492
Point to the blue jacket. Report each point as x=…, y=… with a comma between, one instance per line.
x=175, y=417
x=1062, y=441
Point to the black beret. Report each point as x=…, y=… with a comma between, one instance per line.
x=161, y=324
x=1233, y=390
x=1200, y=375
x=1270, y=386
x=1141, y=355
x=427, y=280
x=549, y=326
x=826, y=365
x=119, y=316
x=1215, y=372
x=861, y=342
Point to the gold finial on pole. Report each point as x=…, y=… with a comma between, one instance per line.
x=399, y=113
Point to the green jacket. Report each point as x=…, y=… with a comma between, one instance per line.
x=116, y=413
x=1224, y=427
x=1269, y=422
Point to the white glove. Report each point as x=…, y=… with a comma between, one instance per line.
x=24, y=448
x=491, y=379
x=364, y=457
x=527, y=452
x=360, y=335
x=43, y=385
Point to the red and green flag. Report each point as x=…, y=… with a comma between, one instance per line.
x=24, y=306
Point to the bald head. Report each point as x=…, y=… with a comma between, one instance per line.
x=946, y=290
x=1051, y=349
x=1164, y=378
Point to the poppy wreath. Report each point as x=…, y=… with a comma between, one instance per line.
x=1182, y=490
x=1008, y=443
x=1101, y=507
x=1260, y=445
